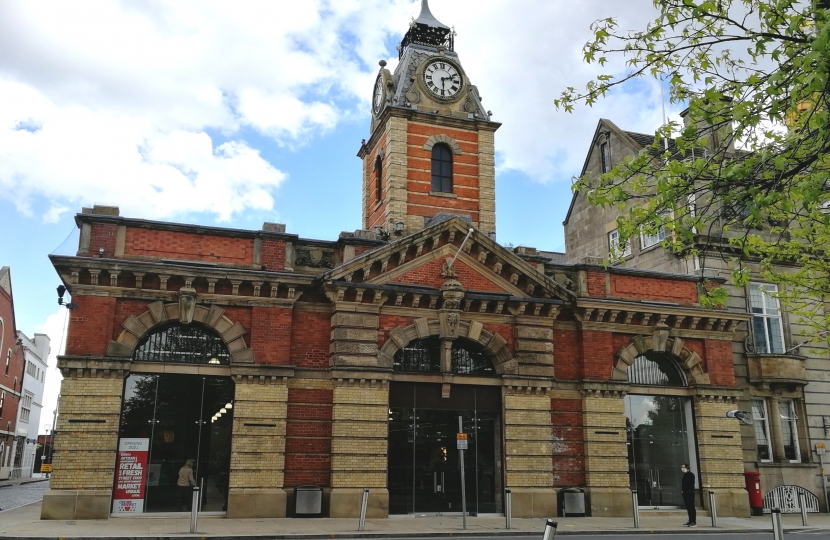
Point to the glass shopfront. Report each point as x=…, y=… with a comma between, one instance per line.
x=166, y=421
x=424, y=466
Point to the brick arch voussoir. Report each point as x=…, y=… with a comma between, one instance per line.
x=688, y=360
x=503, y=361
x=134, y=329
x=449, y=141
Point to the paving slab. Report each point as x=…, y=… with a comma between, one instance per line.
x=25, y=523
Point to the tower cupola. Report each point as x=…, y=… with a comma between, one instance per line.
x=428, y=31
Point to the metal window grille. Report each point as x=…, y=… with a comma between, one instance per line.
x=422, y=34
x=656, y=369
x=182, y=344
x=442, y=168
x=424, y=356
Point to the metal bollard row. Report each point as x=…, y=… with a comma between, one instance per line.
x=713, y=509
x=550, y=530
x=364, y=504
x=777, y=530
x=194, y=509
x=508, y=509
x=636, y=506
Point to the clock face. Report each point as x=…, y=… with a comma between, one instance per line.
x=443, y=79
x=379, y=95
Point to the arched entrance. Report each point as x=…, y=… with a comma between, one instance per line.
x=423, y=461
x=171, y=416
x=660, y=427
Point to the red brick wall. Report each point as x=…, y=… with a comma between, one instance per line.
x=430, y=274
x=568, y=444
x=15, y=368
x=310, y=338
x=596, y=284
x=90, y=325
x=567, y=354
x=123, y=310
x=196, y=247
x=719, y=362
x=389, y=323
x=598, y=355
x=653, y=289
x=308, y=437
x=270, y=334
x=102, y=235
x=273, y=255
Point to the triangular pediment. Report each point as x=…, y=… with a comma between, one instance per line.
x=421, y=260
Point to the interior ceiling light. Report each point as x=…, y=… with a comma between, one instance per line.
x=229, y=405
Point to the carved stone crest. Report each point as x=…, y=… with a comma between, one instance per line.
x=448, y=271
x=314, y=258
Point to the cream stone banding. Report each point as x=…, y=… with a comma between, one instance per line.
x=449, y=141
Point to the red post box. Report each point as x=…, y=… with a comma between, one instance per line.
x=753, y=486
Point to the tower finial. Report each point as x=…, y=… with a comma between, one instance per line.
x=427, y=18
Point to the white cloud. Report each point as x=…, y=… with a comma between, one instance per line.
x=113, y=102
x=55, y=328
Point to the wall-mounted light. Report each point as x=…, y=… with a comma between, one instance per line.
x=213, y=361
x=61, y=291
x=399, y=225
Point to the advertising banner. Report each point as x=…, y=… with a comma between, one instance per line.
x=130, y=476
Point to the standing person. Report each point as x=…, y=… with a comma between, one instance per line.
x=688, y=489
x=185, y=485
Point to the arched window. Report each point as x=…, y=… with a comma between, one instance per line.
x=182, y=344
x=442, y=168
x=378, y=178
x=424, y=356
x=654, y=368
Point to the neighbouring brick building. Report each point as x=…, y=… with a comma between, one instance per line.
x=780, y=364
x=11, y=382
x=277, y=362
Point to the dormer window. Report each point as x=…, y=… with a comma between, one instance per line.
x=442, y=168
x=605, y=156
x=378, y=178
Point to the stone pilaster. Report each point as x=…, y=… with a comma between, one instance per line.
x=606, y=453
x=534, y=345
x=720, y=455
x=528, y=449
x=86, y=442
x=258, y=455
x=359, y=447
x=396, y=178
x=487, y=181
x=354, y=336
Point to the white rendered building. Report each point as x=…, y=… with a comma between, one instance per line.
x=36, y=354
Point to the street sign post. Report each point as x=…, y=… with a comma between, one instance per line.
x=461, y=441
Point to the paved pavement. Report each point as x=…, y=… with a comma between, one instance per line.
x=24, y=522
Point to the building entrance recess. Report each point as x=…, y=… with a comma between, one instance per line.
x=424, y=469
x=174, y=418
x=660, y=439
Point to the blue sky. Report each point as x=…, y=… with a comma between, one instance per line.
x=233, y=114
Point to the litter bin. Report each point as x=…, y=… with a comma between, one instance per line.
x=573, y=502
x=308, y=501
x=753, y=487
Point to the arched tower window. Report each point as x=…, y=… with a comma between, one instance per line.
x=182, y=344
x=424, y=356
x=442, y=168
x=654, y=368
x=378, y=178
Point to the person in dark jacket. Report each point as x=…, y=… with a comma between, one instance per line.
x=688, y=489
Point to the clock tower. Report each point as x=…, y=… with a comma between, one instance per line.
x=431, y=149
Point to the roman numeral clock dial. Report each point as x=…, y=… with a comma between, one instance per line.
x=443, y=79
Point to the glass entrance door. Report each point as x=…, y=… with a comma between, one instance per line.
x=424, y=465
x=660, y=440
x=172, y=419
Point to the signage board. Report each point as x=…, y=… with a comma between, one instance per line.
x=46, y=467
x=820, y=449
x=461, y=441
x=130, y=476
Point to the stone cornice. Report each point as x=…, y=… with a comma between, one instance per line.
x=603, y=313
